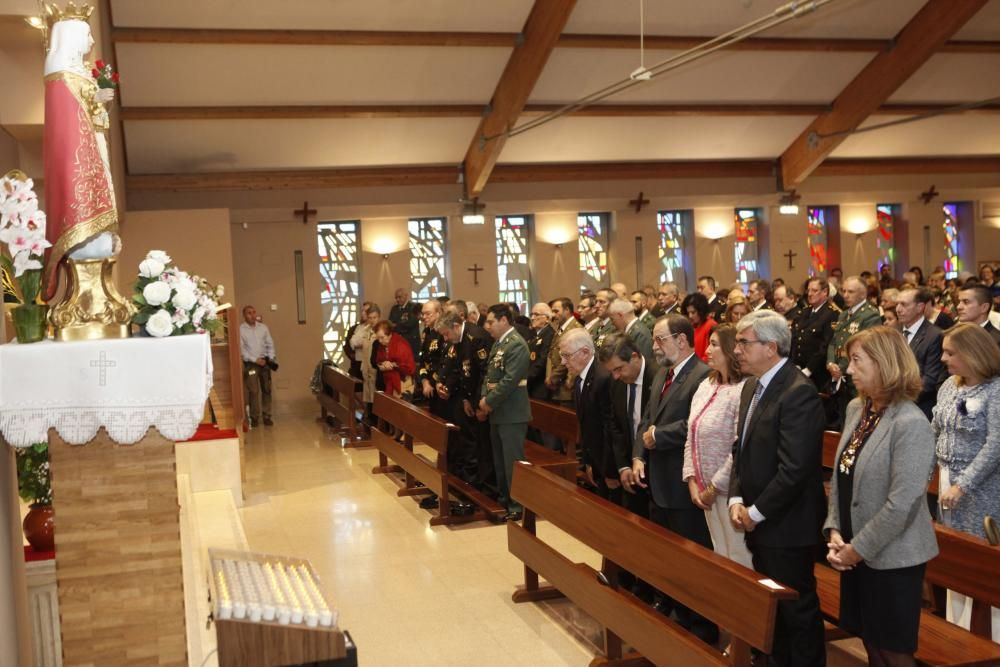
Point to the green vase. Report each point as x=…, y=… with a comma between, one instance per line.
x=29, y=322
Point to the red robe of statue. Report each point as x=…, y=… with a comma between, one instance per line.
x=79, y=198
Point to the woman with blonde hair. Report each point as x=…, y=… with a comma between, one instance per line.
x=712, y=428
x=878, y=524
x=967, y=427
x=736, y=307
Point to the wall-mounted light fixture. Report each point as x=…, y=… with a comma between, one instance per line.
x=789, y=203
x=472, y=212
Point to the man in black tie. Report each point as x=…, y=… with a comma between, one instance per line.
x=925, y=341
x=812, y=331
x=592, y=400
x=663, y=432
x=776, y=489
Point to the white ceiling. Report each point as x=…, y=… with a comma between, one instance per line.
x=193, y=75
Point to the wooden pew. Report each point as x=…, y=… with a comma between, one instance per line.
x=970, y=566
x=831, y=440
x=422, y=427
x=339, y=397
x=563, y=424
x=665, y=560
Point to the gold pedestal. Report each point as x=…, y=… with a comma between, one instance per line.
x=92, y=308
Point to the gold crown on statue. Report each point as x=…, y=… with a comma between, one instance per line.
x=71, y=12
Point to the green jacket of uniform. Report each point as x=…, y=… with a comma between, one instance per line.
x=848, y=324
x=506, y=385
x=649, y=320
x=602, y=332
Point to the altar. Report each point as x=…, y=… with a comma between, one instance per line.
x=111, y=411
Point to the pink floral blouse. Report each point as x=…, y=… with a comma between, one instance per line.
x=712, y=426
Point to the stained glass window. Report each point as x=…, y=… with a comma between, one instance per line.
x=745, y=248
x=816, y=226
x=593, y=250
x=428, y=271
x=671, y=226
x=951, y=262
x=887, y=215
x=339, y=267
x=513, y=252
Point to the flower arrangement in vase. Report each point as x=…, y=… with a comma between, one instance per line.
x=171, y=302
x=22, y=229
x=34, y=485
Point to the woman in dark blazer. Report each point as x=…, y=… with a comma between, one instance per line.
x=878, y=525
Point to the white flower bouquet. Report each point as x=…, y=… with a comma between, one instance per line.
x=170, y=302
x=22, y=229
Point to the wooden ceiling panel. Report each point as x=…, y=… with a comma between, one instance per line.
x=212, y=146
x=953, y=77
x=207, y=75
x=672, y=138
x=451, y=15
x=732, y=76
x=984, y=26
x=845, y=18
x=970, y=134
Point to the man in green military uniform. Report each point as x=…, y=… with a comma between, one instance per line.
x=505, y=399
x=605, y=327
x=857, y=315
x=558, y=378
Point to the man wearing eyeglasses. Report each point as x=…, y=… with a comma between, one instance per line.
x=540, y=345
x=664, y=430
x=776, y=489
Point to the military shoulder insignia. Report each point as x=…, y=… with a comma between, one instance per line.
x=482, y=353
x=534, y=355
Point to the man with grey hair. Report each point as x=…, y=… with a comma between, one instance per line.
x=623, y=317
x=539, y=346
x=668, y=300
x=592, y=402
x=558, y=379
x=776, y=490
x=857, y=316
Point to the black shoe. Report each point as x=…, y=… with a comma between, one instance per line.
x=254, y=423
x=268, y=422
x=461, y=509
x=514, y=515
x=429, y=503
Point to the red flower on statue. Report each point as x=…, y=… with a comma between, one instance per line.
x=94, y=73
x=105, y=76
x=100, y=64
x=114, y=77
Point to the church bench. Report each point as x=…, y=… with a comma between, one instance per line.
x=420, y=426
x=940, y=643
x=557, y=420
x=667, y=561
x=968, y=565
x=831, y=440
x=339, y=398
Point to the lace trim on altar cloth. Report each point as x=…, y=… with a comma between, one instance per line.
x=126, y=426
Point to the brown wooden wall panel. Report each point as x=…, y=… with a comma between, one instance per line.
x=118, y=552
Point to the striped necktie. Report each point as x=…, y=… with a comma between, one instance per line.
x=753, y=405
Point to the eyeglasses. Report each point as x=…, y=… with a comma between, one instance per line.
x=565, y=356
x=661, y=339
x=743, y=342
x=539, y=315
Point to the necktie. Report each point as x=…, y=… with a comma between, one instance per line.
x=577, y=390
x=753, y=404
x=666, y=383
x=909, y=335
x=631, y=408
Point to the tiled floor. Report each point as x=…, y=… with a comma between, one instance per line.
x=408, y=593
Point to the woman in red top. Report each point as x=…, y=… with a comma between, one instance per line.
x=695, y=306
x=394, y=360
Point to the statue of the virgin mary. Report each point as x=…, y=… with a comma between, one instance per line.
x=79, y=193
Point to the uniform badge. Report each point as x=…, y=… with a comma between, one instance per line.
x=853, y=327
x=434, y=345
x=482, y=353
x=451, y=352
x=533, y=355
x=467, y=368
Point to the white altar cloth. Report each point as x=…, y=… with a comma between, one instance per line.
x=125, y=385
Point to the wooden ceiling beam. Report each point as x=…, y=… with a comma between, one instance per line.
x=502, y=39
x=929, y=29
x=473, y=110
x=306, y=179
x=541, y=31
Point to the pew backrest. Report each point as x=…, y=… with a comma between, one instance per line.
x=419, y=424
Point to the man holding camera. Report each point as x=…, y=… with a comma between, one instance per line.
x=257, y=351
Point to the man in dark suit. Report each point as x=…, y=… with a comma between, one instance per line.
x=405, y=318
x=592, y=401
x=539, y=345
x=974, y=304
x=668, y=300
x=663, y=434
x=759, y=295
x=786, y=302
x=432, y=351
x=776, y=489
x=716, y=307
x=812, y=331
x=631, y=380
x=925, y=342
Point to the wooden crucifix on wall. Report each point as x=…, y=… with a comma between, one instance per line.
x=790, y=255
x=475, y=268
x=638, y=202
x=305, y=212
